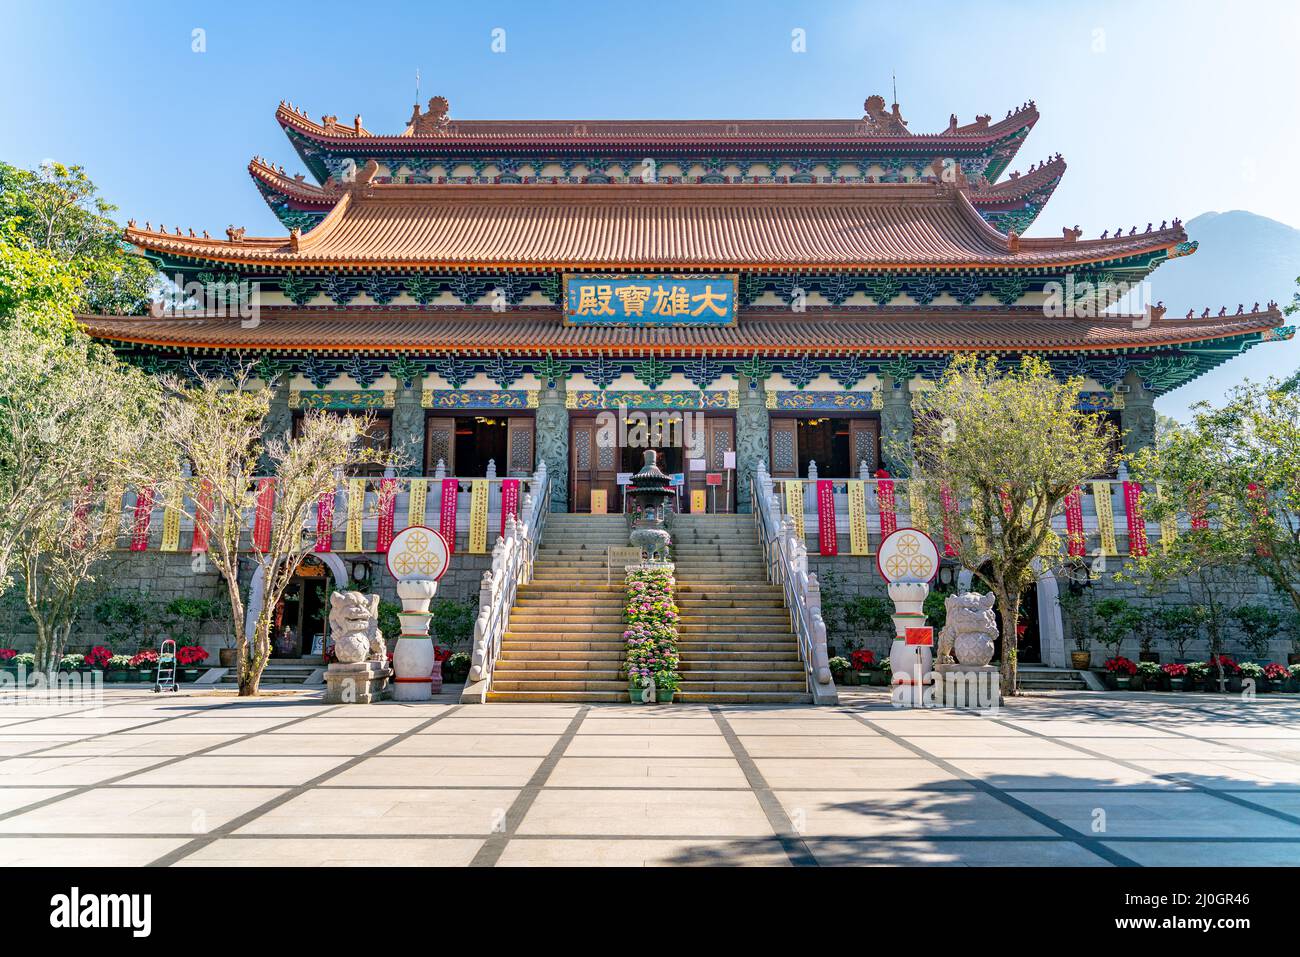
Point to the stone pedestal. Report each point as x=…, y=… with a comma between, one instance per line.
x=909, y=664
x=968, y=686
x=413, y=658
x=360, y=683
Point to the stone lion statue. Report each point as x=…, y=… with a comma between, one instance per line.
x=354, y=627
x=969, y=631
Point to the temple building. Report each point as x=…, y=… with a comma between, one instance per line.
x=784, y=290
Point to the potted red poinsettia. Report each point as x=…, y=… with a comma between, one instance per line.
x=864, y=666
x=189, y=657
x=1274, y=676
x=439, y=656
x=97, y=658
x=146, y=662
x=1121, y=671
x=1177, y=675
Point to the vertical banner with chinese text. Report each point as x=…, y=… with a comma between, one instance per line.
x=325, y=522
x=827, y=534
x=262, y=513
x=948, y=502
x=387, y=505
x=1168, y=523
x=1077, y=541
x=888, y=507
x=143, y=512
x=416, y=501
x=1137, y=523
x=356, y=510
x=859, y=538
x=794, y=504
x=1105, y=518
x=916, y=505
x=478, y=516
x=202, y=517
x=447, y=511
x=509, y=501
x=173, y=505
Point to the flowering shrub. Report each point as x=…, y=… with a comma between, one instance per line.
x=119, y=662
x=1229, y=666
x=25, y=660
x=1174, y=670
x=1119, y=665
x=145, y=658
x=862, y=658
x=1249, y=669
x=191, y=655
x=71, y=662
x=1295, y=671
x=1148, y=669
x=1275, y=672
x=839, y=665
x=441, y=654
x=98, y=657
x=1198, y=669
x=651, y=617
x=7, y=654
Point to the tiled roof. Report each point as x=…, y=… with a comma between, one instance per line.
x=778, y=332
x=654, y=226
x=585, y=133
x=1019, y=186
x=295, y=188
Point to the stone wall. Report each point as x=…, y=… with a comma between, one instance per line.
x=165, y=576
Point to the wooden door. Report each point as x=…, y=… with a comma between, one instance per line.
x=439, y=443
x=592, y=465
x=784, y=447
x=519, y=446
x=864, y=445
x=719, y=438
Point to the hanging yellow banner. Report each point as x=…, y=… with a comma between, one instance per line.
x=171, y=527
x=478, y=516
x=599, y=501
x=794, y=504
x=699, y=504
x=415, y=502
x=859, y=539
x=356, y=509
x=916, y=505
x=1105, y=517
x=977, y=523
x=1168, y=524
x=112, y=516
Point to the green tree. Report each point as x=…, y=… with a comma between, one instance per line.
x=1114, y=620
x=1013, y=444
x=56, y=213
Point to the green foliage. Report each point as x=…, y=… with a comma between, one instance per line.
x=1113, y=621
x=56, y=214
x=1180, y=625
x=1258, y=626
x=936, y=612
x=185, y=617
x=128, y=618
x=452, y=622
x=390, y=626
x=1074, y=608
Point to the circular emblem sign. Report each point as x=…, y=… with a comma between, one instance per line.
x=908, y=555
x=418, y=552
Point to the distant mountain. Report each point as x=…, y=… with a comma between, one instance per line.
x=1242, y=258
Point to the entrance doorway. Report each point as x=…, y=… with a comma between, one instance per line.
x=1029, y=647
x=465, y=444
x=299, y=623
x=839, y=445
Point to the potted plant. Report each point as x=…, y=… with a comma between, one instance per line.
x=886, y=672
x=650, y=634
x=25, y=664
x=1198, y=676
x=1176, y=674
x=1113, y=621
x=1253, y=671
x=9, y=659
x=1148, y=629
x=1257, y=625
x=456, y=668
x=666, y=684
x=1149, y=676
x=863, y=661
x=70, y=663
x=1120, y=671
x=97, y=658
x=840, y=667
x=1275, y=677
x=1292, y=683
x=1180, y=625
x=185, y=618
x=146, y=664
x=1074, y=609
x=1230, y=670
x=119, y=669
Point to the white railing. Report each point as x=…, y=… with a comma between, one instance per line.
x=512, y=566
x=786, y=558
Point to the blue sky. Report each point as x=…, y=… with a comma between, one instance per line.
x=1162, y=109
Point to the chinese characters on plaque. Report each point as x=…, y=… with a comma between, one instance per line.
x=649, y=300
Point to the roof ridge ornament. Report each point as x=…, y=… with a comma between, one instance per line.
x=882, y=123
x=436, y=121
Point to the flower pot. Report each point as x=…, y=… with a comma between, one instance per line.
x=1149, y=656
x=664, y=696
x=838, y=677
x=1123, y=682
x=226, y=657
x=1177, y=684
x=1263, y=684
x=1293, y=658
x=117, y=677
x=146, y=675
x=1080, y=660
x=1234, y=683
x=190, y=675
x=851, y=679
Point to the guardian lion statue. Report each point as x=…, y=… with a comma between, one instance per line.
x=969, y=631
x=354, y=628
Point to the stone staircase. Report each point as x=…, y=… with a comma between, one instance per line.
x=565, y=639
x=280, y=671
x=1042, y=678
x=734, y=637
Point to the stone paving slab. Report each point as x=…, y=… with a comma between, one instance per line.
x=201, y=778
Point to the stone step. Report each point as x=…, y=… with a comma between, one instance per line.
x=690, y=685
x=560, y=641
x=585, y=697
x=742, y=697
x=725, y=629
x=749, y=673
x=757, y=645
x=515, y=663
x=574, y=602
x=788, y=655
x=552, y=616
x=592, y=684
x=534, y=589
x=695, y=604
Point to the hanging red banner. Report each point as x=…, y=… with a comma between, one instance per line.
x=827, y=534
x=1077, y=542
x=1137, y=523
x=949, y=503
x=143, y=513
x=1006, y=501
x=888, y=507
x=509, y=501
x=387, y=503
x=447, y=517
x=80, y=514
x=202, y=516
x=262, y=514
x=325, y=522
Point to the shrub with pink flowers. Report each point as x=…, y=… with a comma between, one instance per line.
x=1276, y=672
x=650, y=613
x=144, y=659
x=8, y=654
x=1174, y=670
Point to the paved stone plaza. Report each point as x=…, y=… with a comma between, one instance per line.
x=1054, y=779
